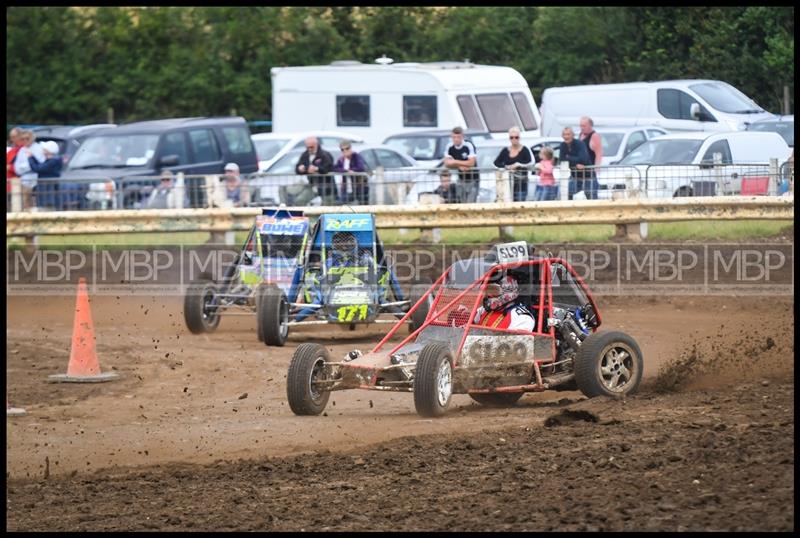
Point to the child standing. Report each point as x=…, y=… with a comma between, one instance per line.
x=546, y=188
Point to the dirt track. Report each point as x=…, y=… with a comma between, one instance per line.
x=182, y=401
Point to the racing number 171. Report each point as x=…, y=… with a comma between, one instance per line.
x=347, y=313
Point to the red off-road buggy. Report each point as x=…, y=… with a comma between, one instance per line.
x=451, y=354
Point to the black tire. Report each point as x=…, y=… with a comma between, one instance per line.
x=304, y=368
x=430, y=368
x=417, y=291
x=199, y=318
x=497, y=399
x=609, y=363
x=259, y=328
x=272, y=315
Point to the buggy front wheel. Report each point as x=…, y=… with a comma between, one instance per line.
x=272, y=315
x=433, y=380
x=305, y=370
x=200, y=307
x=608, y=364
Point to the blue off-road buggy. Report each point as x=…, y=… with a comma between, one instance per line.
x=271, y=254
x=343, y=278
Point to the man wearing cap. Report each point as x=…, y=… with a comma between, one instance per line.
x=47, y=168
x=231, y=191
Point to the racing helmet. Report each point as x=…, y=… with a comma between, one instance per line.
x=500, y=292
x=344, y=244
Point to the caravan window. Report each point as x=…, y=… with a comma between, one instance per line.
x=470, y=112
x=498, y=112
x=352, y=110
x=419, y=111
x=524, y=111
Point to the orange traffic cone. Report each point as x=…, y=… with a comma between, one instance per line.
x=14, y=411
x=83, y=366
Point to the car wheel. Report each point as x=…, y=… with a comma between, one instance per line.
x=200, y=307
x=417, y=291
x=307, y=367
x=608, y=364
x=497, y=399
x=272, y=315
x=433, y=380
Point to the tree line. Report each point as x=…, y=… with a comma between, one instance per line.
x=72, y=64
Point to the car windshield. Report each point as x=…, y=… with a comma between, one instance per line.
x=115, y=151
x=419, y=147
x=267, y=149
x=675, y=151
x=611, y=142
x=783, y=128
x=726, y=98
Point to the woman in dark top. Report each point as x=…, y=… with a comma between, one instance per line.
x=516, y=158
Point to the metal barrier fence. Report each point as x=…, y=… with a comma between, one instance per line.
x=403, y=186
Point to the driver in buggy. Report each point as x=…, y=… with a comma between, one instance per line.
x=344, y=254
x=501, y=307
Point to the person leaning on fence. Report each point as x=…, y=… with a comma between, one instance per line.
x=11, y=155
x=48, y=168
x=165, y=195
x=546, y=187
x=317, y=164
x=461, y=155
x=447, y=190
x=351, y=161
x=231, y=191
x=574, y=152
x=22, y=165
x=516, y=158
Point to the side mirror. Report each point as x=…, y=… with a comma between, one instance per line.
x=169, y=160
x=694, y=111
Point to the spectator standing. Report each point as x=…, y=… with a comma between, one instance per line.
x=48, y=168
x=516, y=158
x=11, y=155
x=594, y=146
x=461, y=155
x=165, y=196
x=231, y=191
x=22, y=165
x=574, y=152
x=317, y=164
x=351, y=161
x=546, y=188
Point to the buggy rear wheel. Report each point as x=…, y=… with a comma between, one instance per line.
x=417, y=291
x=307, y=367
x=497, y=399
x=272, y=315
x=200, y=307
x=433, y=380
x=608, y=364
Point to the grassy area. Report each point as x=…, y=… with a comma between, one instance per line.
x=555, y=233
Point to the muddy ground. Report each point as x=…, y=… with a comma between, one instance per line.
x=197, y=433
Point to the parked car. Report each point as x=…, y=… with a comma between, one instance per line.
x=783, y=125
x=684, y=164
x=68, y=138
x=399, y=168
x=272, y=146
x=194, y=146
x=428, y=147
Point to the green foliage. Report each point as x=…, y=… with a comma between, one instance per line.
x=71, y=64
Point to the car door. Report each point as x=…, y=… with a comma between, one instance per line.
x=206, y=155
x=635, y=139
x=174, y=144
x=674, y=112
x=725, y=175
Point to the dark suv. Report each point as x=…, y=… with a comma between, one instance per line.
x=69, y=138
x=194, y=146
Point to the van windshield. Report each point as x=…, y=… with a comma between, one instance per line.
x=675, y=151
x=726, y=98
x=115, y=151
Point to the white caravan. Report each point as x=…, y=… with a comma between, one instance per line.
x=674, y=105
x=378, y=100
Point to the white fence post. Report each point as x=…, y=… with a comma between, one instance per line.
x=180, y=190
x=503, y=193
x=774, y=177
x=16, y=195
x=562, y=176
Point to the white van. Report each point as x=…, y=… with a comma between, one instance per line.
x=674, y=105
x=378, y=100
x=692, y=164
